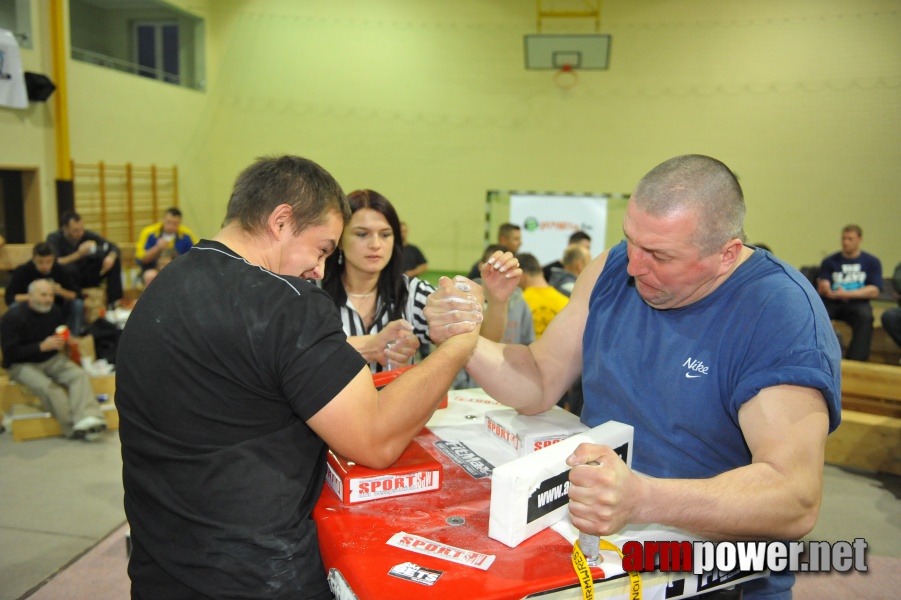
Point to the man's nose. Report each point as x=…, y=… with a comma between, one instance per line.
x=637, y=262
x=317, y=272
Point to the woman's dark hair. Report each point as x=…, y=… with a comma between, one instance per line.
x=392, y=287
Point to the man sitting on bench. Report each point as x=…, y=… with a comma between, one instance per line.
x=31, y=354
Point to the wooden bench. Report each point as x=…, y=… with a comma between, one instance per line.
x=28, y=420
x=869, y=436
x=883, y=348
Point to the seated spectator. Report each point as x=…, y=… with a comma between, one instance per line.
x=575, y=259
x=381, y=308
x=415, y=263
x=166, y=257
x=168, y=233
x=544, y=300
x=509, y=236
x=579, y=237
x=31, y=354
x=847, y=281
x=43, y=265
x=90, y=258
x=891, y=318
x=520, y=327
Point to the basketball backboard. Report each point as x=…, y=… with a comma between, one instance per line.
x=572, y=51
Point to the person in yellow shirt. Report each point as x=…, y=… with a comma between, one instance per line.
x=168, y=233
x=544, y=300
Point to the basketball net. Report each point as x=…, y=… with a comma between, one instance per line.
x=566, y=78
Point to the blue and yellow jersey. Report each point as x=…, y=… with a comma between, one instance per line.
x=182, y=242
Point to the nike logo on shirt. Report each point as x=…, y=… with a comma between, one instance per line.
x=690, y=376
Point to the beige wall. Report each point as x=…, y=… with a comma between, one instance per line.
x=428, y=102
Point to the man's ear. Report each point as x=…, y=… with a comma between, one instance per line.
x=731, y=253
x=279, y=221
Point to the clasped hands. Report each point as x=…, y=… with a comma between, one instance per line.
x=456, y=307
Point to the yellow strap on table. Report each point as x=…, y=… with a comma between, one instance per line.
x=580, y=564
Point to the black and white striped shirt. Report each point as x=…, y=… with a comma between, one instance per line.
x=418, y=291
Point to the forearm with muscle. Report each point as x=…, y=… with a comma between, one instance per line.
x=752, y=502
x=533, y=378
x=777, y=496
x=407, y=403
x=374, y=427
x=508, y=373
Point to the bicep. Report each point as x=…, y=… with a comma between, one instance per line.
x=785, y=426
x=342, y=422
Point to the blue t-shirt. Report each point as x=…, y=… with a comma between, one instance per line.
x=680, y=376
x=851, y=273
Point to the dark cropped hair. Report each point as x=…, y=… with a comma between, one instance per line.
x=854, y=229
x=42, y=249
x=69, y=215
x=529, y=264
x=578, y=237
x=491, y=249
x=174, y=211
x=310, y=191
x=506, y=229
x=392, y=286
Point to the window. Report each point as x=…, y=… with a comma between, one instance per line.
x=156, y=50
x=15, y=16
x=147, y=38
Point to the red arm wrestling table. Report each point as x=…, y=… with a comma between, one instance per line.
x=354, y=538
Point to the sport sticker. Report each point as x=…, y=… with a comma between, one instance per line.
x=415, y=573
x=428, y=547
x=461, y=454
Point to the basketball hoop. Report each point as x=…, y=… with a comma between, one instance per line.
x=566, y=78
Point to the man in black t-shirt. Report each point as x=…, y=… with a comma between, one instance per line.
x=31, y=354
x=43, y=265
x=415, y=263
x=90, y=258
x=230, y=397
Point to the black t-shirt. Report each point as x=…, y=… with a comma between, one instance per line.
x=548, y=269
x=24, y=274
x=63, y=247
x=413, y=257
x=218, y=369
x=22, y=330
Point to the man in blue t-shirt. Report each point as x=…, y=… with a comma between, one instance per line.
x=721, y=356
x=847, y=281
